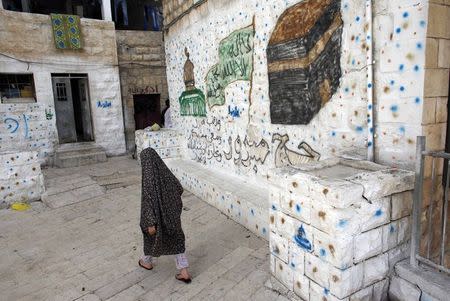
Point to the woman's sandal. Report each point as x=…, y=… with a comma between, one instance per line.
x=187, y=281
x=142, y=266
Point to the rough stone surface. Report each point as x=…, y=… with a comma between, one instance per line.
x=21, y=179
x=400, y=290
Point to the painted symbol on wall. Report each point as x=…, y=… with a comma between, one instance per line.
x=205, y=146
x=234, y=112
x=301, y=239
x=286, y=157
x=104, y=104
x=235, y=63
x=246, y=153
x=13, y=125
x=48, y=114
x=304, y=60
x=192, y=100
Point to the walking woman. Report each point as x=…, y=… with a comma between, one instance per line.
x=161, y=209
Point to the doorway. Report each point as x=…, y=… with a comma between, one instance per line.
x=147, y=110
x=72, y=108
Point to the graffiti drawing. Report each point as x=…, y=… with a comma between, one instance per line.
x=247, y=153
x=205, y=146
x=301, y=239
x=235, y=63
x=286, y=157
x=48, y=114
x=192, y=100
x=13, y=124
x=104, y=104
x=234, y=112
x=303, y=59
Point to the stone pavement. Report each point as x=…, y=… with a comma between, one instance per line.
x=84, y=244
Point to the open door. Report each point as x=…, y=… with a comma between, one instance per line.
x=72, y=108
x=65, y=118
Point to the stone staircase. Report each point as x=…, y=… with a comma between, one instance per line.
x=79, y=154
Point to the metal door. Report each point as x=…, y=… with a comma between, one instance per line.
x=65, y=120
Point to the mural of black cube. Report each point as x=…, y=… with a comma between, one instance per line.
x=304, y=60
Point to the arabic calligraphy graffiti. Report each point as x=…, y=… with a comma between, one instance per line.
x=205, y=146
x=247, y=153
x=287, y=157
x=104, y=104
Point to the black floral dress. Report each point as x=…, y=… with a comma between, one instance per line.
x=161, y=206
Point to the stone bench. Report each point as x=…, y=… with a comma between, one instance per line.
x=166, y=142
x=245, y=202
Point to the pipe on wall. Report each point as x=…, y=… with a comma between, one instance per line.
x=370, y=85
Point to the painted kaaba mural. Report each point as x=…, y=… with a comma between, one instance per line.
x=304, y=60
x=192, y=100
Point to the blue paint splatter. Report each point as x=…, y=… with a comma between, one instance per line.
x=391, y=229
x=357, y=19
x=369, y=107
x=369, y=144
x=392, y=82
x=298, y=208
x=342, y=223
x=252, y=212
x=273, y=207
x=419, y=45
x=423, y=23
x=333, y=133
x=402, y=129
x=301, y=239
x=378, y=213
x=326, y=291
x=417, y=100
x=402, y=88
x=292, y=264
x=322, y=252
x=416, y=68
x=359, y=129
x=405, y=14
x=369, y=85
x=394, y=108
x=398, y=30
x=401, y=67
x=264, y=230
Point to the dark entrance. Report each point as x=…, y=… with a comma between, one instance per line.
x=147, y=110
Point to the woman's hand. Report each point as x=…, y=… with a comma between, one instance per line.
x=152, y=230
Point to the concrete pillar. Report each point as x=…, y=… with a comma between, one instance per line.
x=106, y=10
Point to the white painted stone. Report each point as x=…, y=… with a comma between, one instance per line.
x=290, y=227
x=335, y=249
x=390, y=236
x=338, y=193
x=375, y=269
x=335, y=220
x=316, y=269
x=368, y=244
x=343, y=283
x=297, y=206
x=404, y=229
x=383, y=183
x=284, y=274
x=365, y=294
x=401, y=204
x=301, y=286
x=296, y=258
x=279, y=247
x=402, y=290
x=380, y=290
x=319, y=293
x=374, y=214
x=397, y=254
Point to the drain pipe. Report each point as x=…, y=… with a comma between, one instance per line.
x=370, y=84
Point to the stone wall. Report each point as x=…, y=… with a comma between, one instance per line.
x=142, y=70
x=338, y=227
x=174, y=8
x=21, y=179
x=341, y=125
x=28, y=47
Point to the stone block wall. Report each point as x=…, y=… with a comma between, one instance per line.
x=21, y=179
x=28, y=47
x=142, y=68
x=174, y=8
x=166, y=142
x=338, y=228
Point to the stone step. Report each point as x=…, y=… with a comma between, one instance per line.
x=79, y=155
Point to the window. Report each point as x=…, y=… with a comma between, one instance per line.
x=61, y=92
x=17, y=88
x=83, y=8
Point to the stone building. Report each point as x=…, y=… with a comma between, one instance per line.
x=311, y=108
x=71, y=73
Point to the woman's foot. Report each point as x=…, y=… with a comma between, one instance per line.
x=147, y=266
x=183, y=275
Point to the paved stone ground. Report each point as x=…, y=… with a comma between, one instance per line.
x=84, y=244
